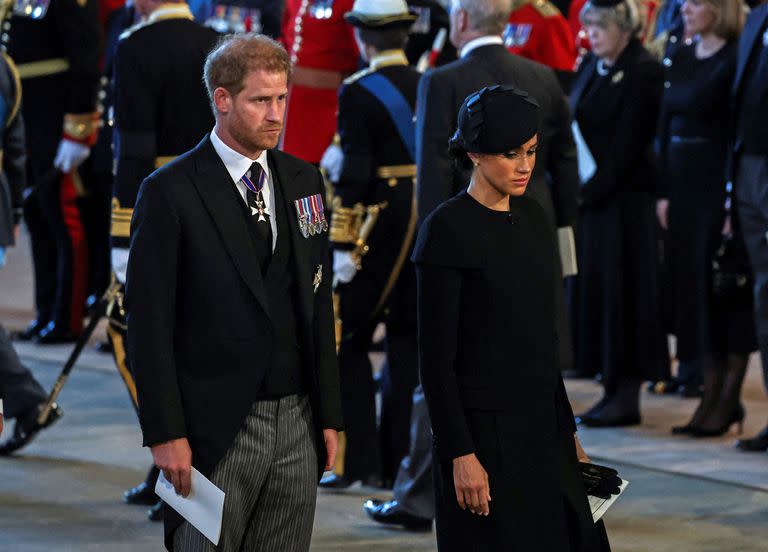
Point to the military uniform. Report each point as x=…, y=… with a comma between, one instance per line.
x=57, y=57
x=377, y=179
x=538, y=31
x=323, y=52
x=161, y=106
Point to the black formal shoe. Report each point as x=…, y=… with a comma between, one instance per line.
x=758, y=443
x=686, y=429
x=389, y=512
x=663, y=387
x=27, y=427
x=142, y=494
x=53, y=334
x=341, y=482
x=604, y=421
x=716, y=431
x=30, y=332
x=104, y=347
x=156, y=512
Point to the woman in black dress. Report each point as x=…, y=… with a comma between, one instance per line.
x=615, y=101
x=505, y=455
x=693, y=139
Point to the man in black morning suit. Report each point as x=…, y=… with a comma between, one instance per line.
x=750, y=174
x=161, y=110
x=378, y=172
x=476, y=28
x=230, y=319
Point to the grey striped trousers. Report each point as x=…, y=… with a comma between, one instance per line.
x=269, y=477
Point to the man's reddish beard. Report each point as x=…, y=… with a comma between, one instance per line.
x=255, y=139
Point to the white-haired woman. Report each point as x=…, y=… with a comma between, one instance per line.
x=615, y=101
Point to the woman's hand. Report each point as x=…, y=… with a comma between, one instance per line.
x=471, y=482
x=580, y=454
x=662, y=212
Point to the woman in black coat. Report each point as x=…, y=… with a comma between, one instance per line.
x=615, y=102
x=507, y=474
x=693, y=138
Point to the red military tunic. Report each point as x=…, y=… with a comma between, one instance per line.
x=323, y=50
x=538, y=31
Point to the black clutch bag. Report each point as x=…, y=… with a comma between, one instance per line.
x=731, y=273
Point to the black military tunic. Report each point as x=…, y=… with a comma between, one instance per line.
x=161, y=106
x=378, y=169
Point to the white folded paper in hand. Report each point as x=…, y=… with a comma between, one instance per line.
x=600, y=505
x=587, y=165
x=203, y=508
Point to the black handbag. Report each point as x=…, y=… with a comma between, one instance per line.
x=732, y=278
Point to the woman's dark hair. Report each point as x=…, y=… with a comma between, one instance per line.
x=459, y=156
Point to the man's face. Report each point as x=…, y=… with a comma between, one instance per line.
x=254, y=117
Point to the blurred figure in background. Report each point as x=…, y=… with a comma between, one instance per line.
x=615, y=101
x=694, y=135
x=323, y=53
x=58, y=58
x=22, y=394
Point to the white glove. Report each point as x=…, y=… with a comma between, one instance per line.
x=343, y=266
x=332, y=161
x=70, y=155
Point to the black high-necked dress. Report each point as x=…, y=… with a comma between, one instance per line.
x=488, y=364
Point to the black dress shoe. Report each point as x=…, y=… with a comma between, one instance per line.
x=27, y=427
x=31, y=331
x=156, y=512
x=334, y=481
x=758, y=443
x=389, y=512
x=53, y=334
x=104, y=347
x=690, y=390
x=144, y=493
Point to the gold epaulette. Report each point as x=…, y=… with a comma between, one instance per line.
x=354, y=77
x=545, y=8
x=346, y=222
x=121, y=220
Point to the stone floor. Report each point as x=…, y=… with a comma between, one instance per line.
x=63, y=492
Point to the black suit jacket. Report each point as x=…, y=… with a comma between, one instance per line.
x=441, y=93
x=199, y=325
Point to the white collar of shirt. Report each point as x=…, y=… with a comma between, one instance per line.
x=480, y=41
x=237, y=165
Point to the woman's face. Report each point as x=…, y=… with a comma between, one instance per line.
x=699, y=17
x=606, y=37
x=510, y=172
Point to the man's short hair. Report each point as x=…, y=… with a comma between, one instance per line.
x=230, y=62
x=486, y=16
x=384, y=39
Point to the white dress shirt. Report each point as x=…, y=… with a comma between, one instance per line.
x=481, y=41
x=237, y=165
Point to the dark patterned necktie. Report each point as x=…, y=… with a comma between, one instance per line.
x=255, y=199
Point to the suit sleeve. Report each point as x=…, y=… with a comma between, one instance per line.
x=151, y=308
x=78, y=24
x=435, y=123
x=354, y=129
x=562, y=164
x=325, y=341
x=438, y=304
x=635, y=130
